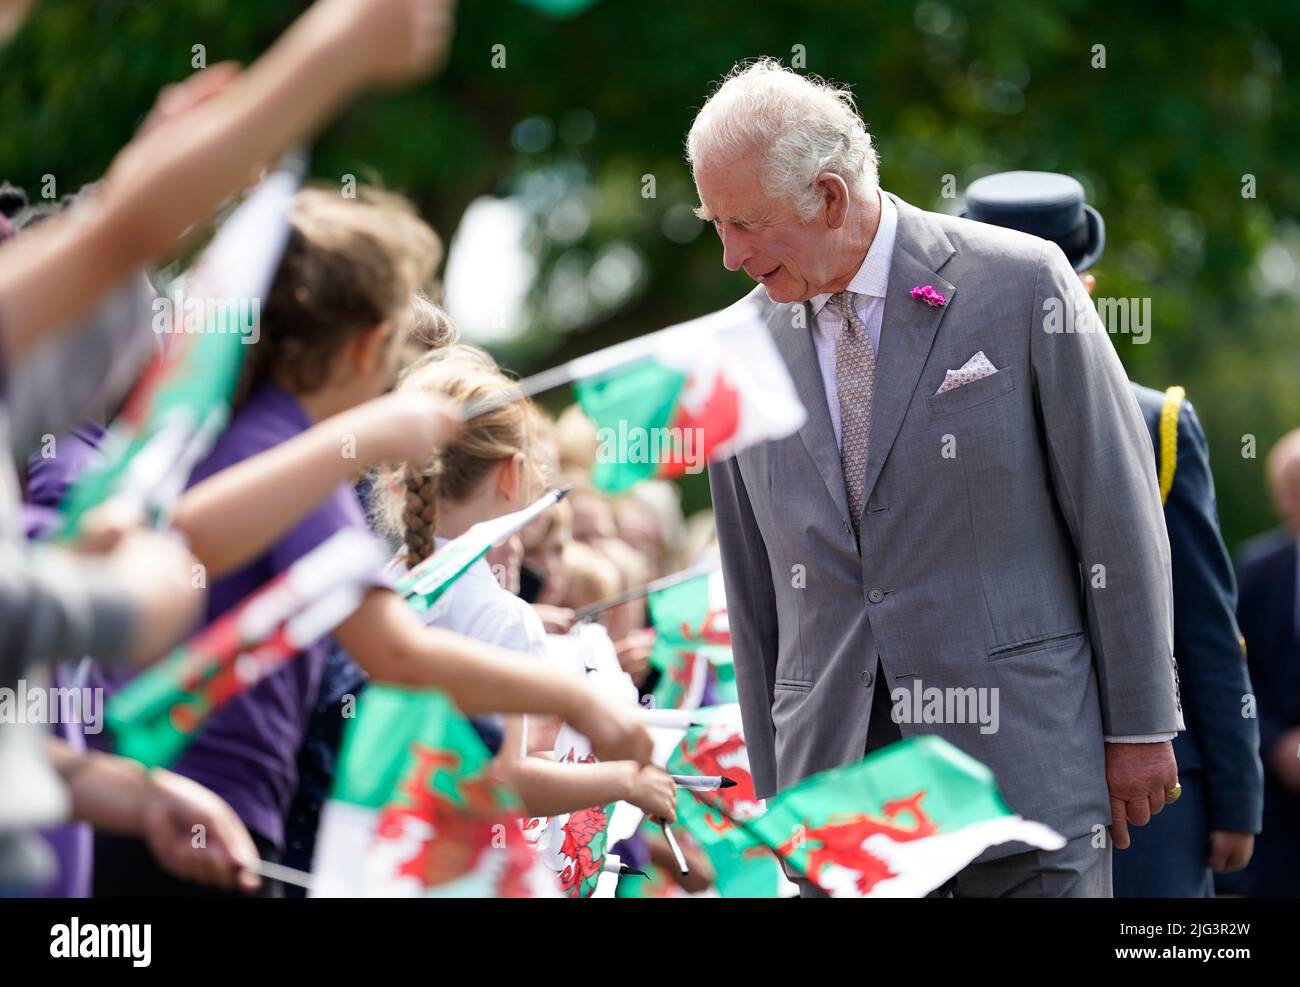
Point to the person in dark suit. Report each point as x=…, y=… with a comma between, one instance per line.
x=1270, y=619
x=1218, y=754
x=1210, y=830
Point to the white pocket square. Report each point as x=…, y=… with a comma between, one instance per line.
x=975, y=368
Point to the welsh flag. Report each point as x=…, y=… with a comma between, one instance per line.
x=674, y=401
x=896, y=824
x=692, y=638
x=159, y=712
x=182, y=402
x=416, y=812
x=723, y=678
x=574, y=845
x=743, y=869
x=425, y=584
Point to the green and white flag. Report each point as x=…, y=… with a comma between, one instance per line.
x=896, y=824
x=156, y=715
x=416, y=811
x=692, y=639
x=425, y=584
x=182, y=402
x=575, y=845
x=676, y=400
x=743, y=869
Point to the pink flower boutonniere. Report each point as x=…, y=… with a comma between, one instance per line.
x=927, y=294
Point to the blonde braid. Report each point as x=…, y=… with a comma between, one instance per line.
x=420, y=515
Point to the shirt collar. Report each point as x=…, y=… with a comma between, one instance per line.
x=873, y=276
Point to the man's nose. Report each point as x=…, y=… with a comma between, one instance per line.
x=735, y=249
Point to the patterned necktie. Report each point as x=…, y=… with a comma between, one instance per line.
x=855, y=381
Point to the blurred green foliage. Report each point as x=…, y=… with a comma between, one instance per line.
x=1194, y=97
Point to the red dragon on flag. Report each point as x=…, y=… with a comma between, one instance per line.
x=840, y=842
x=446, y=839
x=583, y=847
x=726, y=757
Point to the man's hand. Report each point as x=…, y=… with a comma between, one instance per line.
x=1230, y=851
x=175, y=813
x=1138, y=776
x=1284, y=758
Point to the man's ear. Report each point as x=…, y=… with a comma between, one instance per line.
x=367, y=351
x=1089, y=282
x=835, y=198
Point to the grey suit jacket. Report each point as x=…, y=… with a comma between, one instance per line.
x=1012, y=537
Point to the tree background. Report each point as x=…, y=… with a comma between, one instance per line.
x=1186, y=140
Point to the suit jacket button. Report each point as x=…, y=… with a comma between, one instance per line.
x=875, y=596
x=866, y=680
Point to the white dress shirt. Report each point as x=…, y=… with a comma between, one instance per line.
x=869, y=287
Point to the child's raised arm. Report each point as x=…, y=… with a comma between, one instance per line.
x=549, y=788
x=386, y=638
x=235, y=515
x=176, y=172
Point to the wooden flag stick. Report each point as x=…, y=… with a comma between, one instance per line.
x=285, y=875
x=672, y=845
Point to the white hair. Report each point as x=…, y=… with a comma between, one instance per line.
x=806, y=126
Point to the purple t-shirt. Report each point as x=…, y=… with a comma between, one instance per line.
x=48, y=480
x=248, y=751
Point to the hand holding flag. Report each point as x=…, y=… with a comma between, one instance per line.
x=182, y=402
x=158, y=713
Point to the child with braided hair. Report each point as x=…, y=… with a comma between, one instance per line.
x=312, y=415
x=497, y=465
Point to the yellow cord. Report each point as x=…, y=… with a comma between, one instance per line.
x=1169, y=439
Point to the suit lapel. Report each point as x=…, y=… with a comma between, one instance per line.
x=907, y=330
x=796, y=347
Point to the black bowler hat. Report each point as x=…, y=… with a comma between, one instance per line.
x=1042, y=203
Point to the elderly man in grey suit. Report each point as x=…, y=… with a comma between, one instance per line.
x=970, y=506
